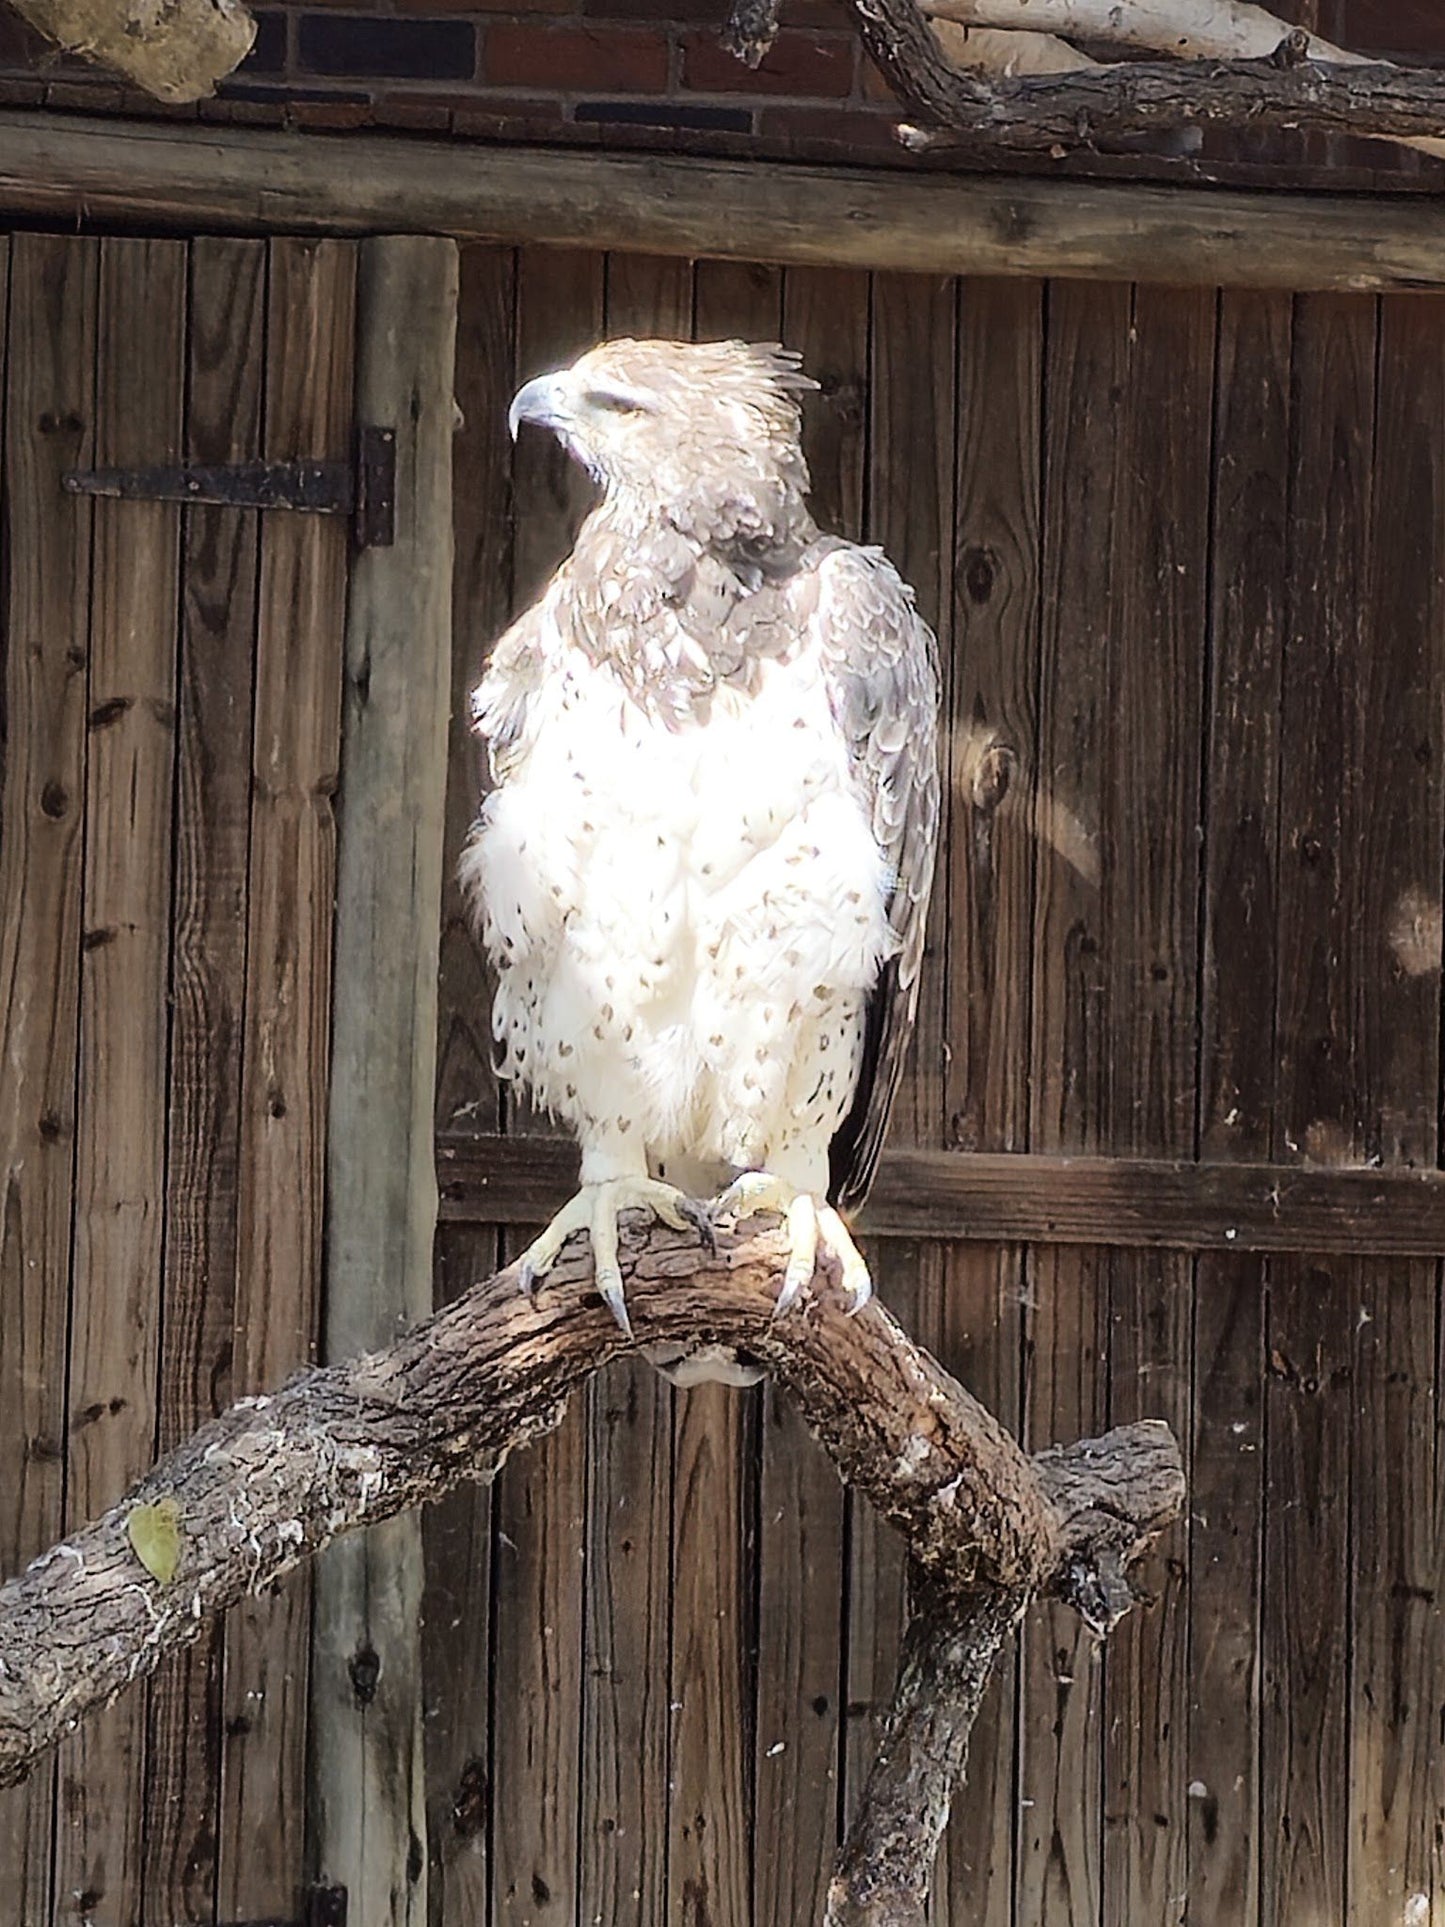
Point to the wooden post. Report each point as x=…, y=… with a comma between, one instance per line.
x=367, y=1782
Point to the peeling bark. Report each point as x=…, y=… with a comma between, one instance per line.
x=270, y=1482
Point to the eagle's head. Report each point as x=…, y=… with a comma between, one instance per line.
x=705, y=435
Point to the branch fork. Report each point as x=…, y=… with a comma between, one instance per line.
x=275, y=1478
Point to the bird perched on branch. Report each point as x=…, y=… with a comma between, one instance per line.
x=703, y=870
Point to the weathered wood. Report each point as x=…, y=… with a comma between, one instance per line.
x=124, y=986
x=909, y=501
x=257, y=180
x=1323, y=971
x=1043, y=1198
x=623, y=1870
x=49, y=427
x=458, y=1531
x=540, y=1505
x=346, y=1445
x=988, y=885
x=368, y=1781
x=1150, y=891
x=1066, y=1334
x=176, y=52
x=1249, y=570
x=1390, y=864
x=225, y=358
x=310, y=332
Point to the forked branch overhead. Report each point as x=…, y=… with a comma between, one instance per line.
x=274, y=1479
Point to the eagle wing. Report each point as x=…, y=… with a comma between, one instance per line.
x=881, y=662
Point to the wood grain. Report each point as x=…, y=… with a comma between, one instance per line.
x=49, y=427
x=367, y=1779
x=1321, y=972
x=540, y=1503
x=457, y=1532
x=623, y=1871
x=1396, y=838
x=1041, y=1198
x=1060, y=1705
x=1249, y=570
x=224, y=372
x=124, y=989
x=259, y=181
x=988, y=877
x=910, y=512
x=1150, y=888
x=310, y=329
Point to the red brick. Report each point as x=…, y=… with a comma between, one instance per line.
x=831, y=133
x=85, y=96
x=507, y=117
x=872, y=85
x=580, y=59
x=245, y=113
x=813, y=65
x=342, y=116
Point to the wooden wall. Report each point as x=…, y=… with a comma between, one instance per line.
x=1185, y=552
x=171, y=732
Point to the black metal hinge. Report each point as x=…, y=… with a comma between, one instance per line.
x=364, y=489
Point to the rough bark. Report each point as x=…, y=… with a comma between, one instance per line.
x=275, y=1478
x=173, y=49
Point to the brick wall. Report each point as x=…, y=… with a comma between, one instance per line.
x=647, y=74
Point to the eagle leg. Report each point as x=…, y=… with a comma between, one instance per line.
x=814, y=1229
x=595, y=1210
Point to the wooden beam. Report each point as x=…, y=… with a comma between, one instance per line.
x=258, y=180
x=368, y=1780
x=1008, y=1198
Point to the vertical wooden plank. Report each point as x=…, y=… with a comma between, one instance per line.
x=296, y=744
x=540, y=1504
x=216, y=683
x=910, y=512
x=629, y=1524
x=1249, y=567
x=801, y=1516
x=1151, y=896
x=1086, y=377
x=49, y=416
x=124, y=983
x=989, y=885
x=457, y=1533
x=1322, y=977
x=368, y=1781
x=715, y=1489
x=1395, y=863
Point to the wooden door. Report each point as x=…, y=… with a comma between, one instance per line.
x=1168, y=1146
x=173, y=684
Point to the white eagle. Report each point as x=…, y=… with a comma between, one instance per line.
x=702, y=873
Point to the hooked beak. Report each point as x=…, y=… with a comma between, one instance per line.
x=542, y=401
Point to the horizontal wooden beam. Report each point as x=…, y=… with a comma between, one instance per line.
x=259, y=180
x=1014, y=1199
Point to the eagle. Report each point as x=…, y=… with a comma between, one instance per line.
x=702, y=869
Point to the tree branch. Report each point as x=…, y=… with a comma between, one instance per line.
x=274, y=1479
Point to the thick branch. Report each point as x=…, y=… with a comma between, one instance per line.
x=274, y=1479
x=1057, y=113
x=173, y=49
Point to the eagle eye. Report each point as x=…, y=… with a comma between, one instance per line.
x=619, y=401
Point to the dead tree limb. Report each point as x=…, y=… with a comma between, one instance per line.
x=173, y=49
x=274, y=1479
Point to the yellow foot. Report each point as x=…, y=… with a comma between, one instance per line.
x=595, y=1210
x=813, y=1228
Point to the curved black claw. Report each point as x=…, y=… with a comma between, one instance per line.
x=699, y=1214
